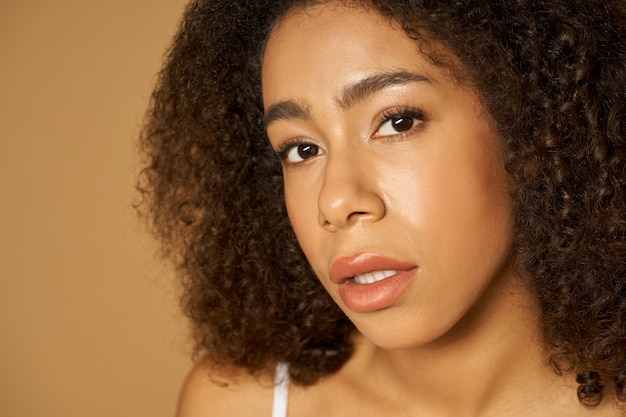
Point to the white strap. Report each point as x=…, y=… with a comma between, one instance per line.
x=281, y=390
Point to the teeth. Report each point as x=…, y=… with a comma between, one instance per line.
x=374, y=276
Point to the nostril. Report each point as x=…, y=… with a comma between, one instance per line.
x=361, y=216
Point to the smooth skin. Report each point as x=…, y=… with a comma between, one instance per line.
x=385, y=153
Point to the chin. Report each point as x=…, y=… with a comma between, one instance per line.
x=401, y=335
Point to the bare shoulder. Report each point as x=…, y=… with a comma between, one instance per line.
x=209, y=392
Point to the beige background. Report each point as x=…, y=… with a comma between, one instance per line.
x=88, y=321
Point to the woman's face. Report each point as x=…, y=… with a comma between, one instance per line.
x=393, y=180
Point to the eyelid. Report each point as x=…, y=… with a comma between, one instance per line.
x=416, y=113
x=286, y=147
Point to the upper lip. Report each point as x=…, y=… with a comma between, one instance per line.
x=346, y=267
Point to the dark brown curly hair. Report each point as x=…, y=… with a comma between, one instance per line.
x=552, y=75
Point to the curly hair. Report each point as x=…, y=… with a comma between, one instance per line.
x=551, y=74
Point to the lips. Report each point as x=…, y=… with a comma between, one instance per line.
x=370, y=281
x=346, y=268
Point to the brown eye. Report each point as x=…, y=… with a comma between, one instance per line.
x=301, y=152
x=401, y=124
x=307, y=151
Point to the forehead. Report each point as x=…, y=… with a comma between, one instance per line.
x=339, y=45
x=329, y=38
x=327, y=15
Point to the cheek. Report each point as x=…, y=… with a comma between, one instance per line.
x=302, y=212
x=474, y=217
x=301, y=209
x=458, y=207
x=295, y=214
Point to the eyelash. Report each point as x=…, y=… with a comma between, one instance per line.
x=397, y=113
x=417, y=114
x=289, y=146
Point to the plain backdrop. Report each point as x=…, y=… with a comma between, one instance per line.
x=89, y=324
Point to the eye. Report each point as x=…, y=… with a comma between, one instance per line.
x=399, y=122
x=396, y=125
x=299, y=152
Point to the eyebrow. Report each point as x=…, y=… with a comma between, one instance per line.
x=351, y=94
x=366, y=87
x=288, y=109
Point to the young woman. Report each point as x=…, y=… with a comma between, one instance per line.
x=396, y=208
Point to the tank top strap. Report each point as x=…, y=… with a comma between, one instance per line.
x=281, y=390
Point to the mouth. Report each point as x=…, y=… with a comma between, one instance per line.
x=370, y=282
x=366, y=268
x=375, y=276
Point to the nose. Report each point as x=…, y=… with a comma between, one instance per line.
x=349, y=193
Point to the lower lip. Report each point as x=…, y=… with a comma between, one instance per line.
x=364, y=298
